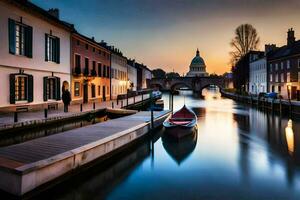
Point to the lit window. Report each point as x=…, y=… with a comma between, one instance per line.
x=288, y=77
x=288, y=64
x=77, y=89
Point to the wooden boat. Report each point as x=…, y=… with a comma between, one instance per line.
x=181, y=123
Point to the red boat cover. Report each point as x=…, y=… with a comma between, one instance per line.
x=183, y=113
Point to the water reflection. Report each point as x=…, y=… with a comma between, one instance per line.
x=289, y=134
x=179, y=150
x=238, y=152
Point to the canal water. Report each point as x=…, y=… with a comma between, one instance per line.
x=238, y=152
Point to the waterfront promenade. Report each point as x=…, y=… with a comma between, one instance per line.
x=26, y=166
x=7, y=119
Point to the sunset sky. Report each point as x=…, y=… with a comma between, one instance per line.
x=165, y=33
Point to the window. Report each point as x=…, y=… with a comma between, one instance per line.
x=52, y=48
x=20, y=38
x=51, y=88
x=288, y=77
x=276, y=66
x=21, y=88
x=279, y=88
x=86, y=46
x=288, y=64
x=99, y=90
x=107, y=71
x=86, y=62
x=93, y=91
x=298, y=76
x=99, y=69
x=78, y=42
x=276, y=78
x=94, y=49
x=99, y=52
x=282, y=77
x=77, y=89
x=281, y=66
x=271, y=67
x=104, y=71
x=77, y=61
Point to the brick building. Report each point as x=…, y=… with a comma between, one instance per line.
x=90, y=63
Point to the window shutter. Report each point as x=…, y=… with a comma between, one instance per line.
x=12, y=36
x=12, y=98
x=58, y=88
x=46, y=47
x=30, y=88
x=28, y=41
x=57, y=50
x=45, y=88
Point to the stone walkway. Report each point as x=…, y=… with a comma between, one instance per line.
x=8, y=119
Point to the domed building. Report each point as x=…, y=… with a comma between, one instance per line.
x=197, y=66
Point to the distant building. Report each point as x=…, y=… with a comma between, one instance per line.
x=35, y=55
x=90, y=70
x=258, y=76
x=132, y=75
x=240, y=72
x=119, y=74
x=284, y=68
x=197, y=66
x=144, y=75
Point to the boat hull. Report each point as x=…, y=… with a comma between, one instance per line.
x=179, y=132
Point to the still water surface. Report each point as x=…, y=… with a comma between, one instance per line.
x=238, y=153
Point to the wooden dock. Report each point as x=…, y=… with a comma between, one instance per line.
x=26, y=166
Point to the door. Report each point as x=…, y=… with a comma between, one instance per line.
x=85, y=93
x=103, y=93
x=293, y=92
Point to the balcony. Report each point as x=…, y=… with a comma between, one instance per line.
x=93, y=72
x=86, y=71
x=77, y=70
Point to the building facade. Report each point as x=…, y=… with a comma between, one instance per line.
x=284, y=68
x=258, y=76
x=132, y=75
x=90, y=70
x=119, y=73
x=197, y=66
x=144, y=75
x=35, y=55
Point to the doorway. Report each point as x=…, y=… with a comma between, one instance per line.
x=103, y=93
x=85, y=93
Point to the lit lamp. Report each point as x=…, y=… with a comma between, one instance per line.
x=289, y=135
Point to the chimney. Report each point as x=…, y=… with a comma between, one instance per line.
x=291, y=36
x=54, y=12
x=269, y=48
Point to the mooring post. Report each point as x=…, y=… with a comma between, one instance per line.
x=152, y=117
x=81, y=107
x=46, y=113
x=15, y=116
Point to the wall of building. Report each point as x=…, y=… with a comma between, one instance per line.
x=258, y=76
x=36, y=66
x=132, y=76
x=119, y=85
x=94, y=53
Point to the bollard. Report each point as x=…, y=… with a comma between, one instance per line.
x=94, y=105
x=15, y=116
x=112, y=104
x=46, y=113
x=81, y=107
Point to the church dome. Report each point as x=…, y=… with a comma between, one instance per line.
x=197, y=60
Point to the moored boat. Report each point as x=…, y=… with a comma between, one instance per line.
x=181, y=123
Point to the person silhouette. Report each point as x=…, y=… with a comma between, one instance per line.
x=66, y=98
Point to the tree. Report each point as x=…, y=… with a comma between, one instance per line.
x=172, y=75
x=245, y=40
x=159, y=73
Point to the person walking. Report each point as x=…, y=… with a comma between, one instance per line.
x=66, y=98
